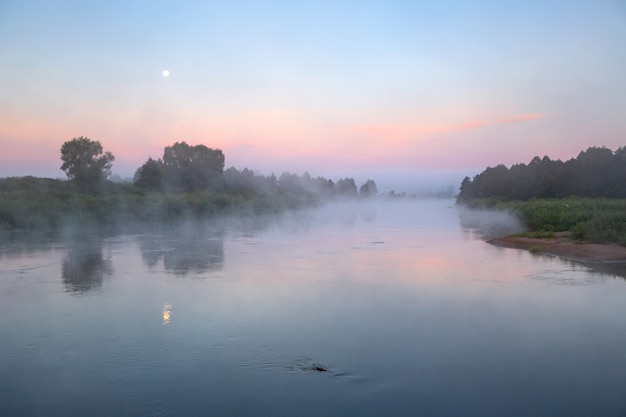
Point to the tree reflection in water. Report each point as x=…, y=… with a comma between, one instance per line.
x=152, y=249
x=193, y=255
x=84, y=266
x=184, y=251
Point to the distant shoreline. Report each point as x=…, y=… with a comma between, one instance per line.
x=564, y=247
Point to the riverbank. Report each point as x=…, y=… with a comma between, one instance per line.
x=563, y=246
x=593, y=220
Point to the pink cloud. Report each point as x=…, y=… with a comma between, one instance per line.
x=512, y=119
x=298, y=140
x=434, y=146
x=275, y=136
x=395, y=130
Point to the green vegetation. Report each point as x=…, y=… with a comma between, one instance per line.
x=183, y=168
x=539, y=234
x=597, y=220
x=189, y=182
x=85, y=163
x=596, y=173
x=585, y=195
x=45, y=207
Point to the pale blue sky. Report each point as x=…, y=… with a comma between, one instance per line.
x=328, y=87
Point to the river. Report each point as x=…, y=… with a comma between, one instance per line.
x=389, y=308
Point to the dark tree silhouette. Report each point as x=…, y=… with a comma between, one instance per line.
x=149, y=176
x=85, y=163
x=189, y=168
x=183, y=168
x=596, y=172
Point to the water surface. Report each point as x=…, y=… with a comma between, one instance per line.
x=393, y=308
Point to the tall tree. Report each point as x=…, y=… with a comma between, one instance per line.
x=85, y=163
x=149, y=176
x=593, y=169
x=191, y=168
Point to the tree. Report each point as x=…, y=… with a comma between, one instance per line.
x=241, y=181
x=346, y=187
x=618, y=173
x=466, y=190
x=593, y=171
x=85, y=163
x=289, y=183
x=368, y=189
x=324, y=187
x=149, y=176
x=191, y=168
x=596, y=172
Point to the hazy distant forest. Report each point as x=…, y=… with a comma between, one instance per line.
x=187, y=182
x=585, y=195
x=186, y=168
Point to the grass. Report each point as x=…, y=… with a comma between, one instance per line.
x=540, y=234
x=46, y=207
x=597, y=220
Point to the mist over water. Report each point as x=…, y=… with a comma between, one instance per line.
x=488, y=224
x=382, y=308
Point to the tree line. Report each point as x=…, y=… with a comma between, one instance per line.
x=596, y=172
x=187, y=168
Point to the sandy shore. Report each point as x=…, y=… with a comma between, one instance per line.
x=564, y=247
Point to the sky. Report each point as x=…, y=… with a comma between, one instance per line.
x=416, y=92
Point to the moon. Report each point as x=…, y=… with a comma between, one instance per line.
x=166, y=73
